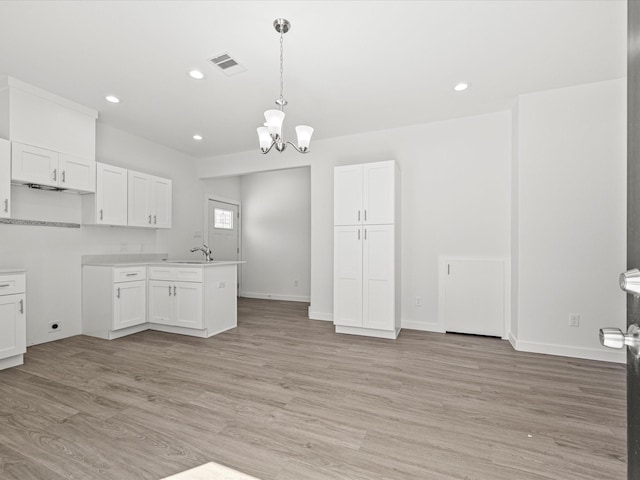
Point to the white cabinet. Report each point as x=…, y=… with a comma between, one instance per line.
x=109, y=204
x=5, y=178
x=13, y=330
x=175, y=296
x=114, y=300
x=366, y=260
x=149, y=203
x=365, y=194
x=41, y=166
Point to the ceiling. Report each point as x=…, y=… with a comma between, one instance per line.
x=349, y=66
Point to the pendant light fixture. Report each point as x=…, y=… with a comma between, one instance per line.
x=270, y=134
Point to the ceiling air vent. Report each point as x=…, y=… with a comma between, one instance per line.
x=228, y=65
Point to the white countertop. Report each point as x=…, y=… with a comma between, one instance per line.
x=173, y=263
x=12, y=270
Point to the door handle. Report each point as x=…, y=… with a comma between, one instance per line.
x=155, y=219
x=149, y=219
x=630, y=282
x=614, y=338
x=101, y=214
x=64, y=176
x=358, y=234
x=174, y=291
x=6, y=205
x=118, y=292
x=358, y=215
x=365, y=233
x=21, y=306
x=169, y=290
x=55, y=174
x=365, y=214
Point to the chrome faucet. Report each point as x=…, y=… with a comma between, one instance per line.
x=205, y=250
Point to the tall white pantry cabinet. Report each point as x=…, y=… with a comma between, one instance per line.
x=366, y=262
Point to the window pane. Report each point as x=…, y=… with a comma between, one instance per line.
x=223, y=219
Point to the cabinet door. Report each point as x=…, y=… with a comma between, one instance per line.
x=347, y=283
x=378, y=268
x=139, y=211
x=161, y=202
x=76, y=173
x=188, y=305
x=111, y=195
x=34, y=165
x=347, y=195
x=129, y=304
x=5, y=178
x=378, y=193
x=13, y=331
x=161, y=303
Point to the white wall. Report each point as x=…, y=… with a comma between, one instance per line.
x=455, y=199
x=276, y=235
x=572, y=217
x=52, y=255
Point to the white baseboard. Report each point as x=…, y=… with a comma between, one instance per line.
x=604, y=354
x=422, y=326
x=275, y=296
x=327, y=317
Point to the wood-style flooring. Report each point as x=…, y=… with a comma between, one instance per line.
x=283, y=397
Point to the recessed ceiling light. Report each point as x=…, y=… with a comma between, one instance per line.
x=197, y=74
x=112, y=99
x=197, y=137
x=460, y=87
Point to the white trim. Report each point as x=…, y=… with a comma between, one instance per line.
x=604, y=354
x=13, y=361
x=422, y=326
x=274, y=296
x=369, y=332
x=506, y=270
x=325, y=317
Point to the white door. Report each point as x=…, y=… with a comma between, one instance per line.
x=161, y=202
x=378, y=267
x=224, y=227
x=129, y=304
x=13, y=331
x=5, y=178
x=347, y=195
x=474, y=296
x=34, y=165
x=77, y=173
x=161, y=302
x=347, y=271
x=139, y=210
x=378, y=192
x=111, y=195
x=188, y=304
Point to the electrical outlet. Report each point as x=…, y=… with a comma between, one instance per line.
x=418, y=301
x=55, y=327
x=574, y=320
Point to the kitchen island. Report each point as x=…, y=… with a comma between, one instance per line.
x=183, y=297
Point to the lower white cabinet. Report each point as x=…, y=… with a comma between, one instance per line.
x=175, y=303
x=13, y=324
x=365, y=289
x=114, y=300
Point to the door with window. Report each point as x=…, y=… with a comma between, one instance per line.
x=223, y=235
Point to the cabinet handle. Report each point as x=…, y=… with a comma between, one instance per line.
x=6, y=205
x=365, y=233
x=358, y=215
x=131, y=274
x=21, y=306
x=365, y=214
x=358, y=234
x=118, y=292
x=169, y=290
x=174, y=291
x=55, y=174
x=101, y=214
x=155, y=220
x=5, y=285
x=64, y=176
x=149, y=219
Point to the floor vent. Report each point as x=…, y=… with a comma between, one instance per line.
x=228, y=65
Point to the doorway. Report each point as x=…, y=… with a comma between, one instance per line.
x=222, y=230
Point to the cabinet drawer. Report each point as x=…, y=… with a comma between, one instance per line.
x=181, y=274
x=10, y=284
x=129, y=274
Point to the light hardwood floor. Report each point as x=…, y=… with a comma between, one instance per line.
x=283, y=397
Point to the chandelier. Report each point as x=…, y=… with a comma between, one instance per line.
x=270, y=134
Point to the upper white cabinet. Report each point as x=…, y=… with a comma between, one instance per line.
x=41, y=166
x=5, y=178
x=366, y=293
x=149, y=200
x=364, y=194
x=109, y=205
x=54, y=139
